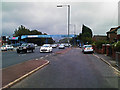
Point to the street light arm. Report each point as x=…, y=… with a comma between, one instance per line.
x=63, y=5
x=59, y=5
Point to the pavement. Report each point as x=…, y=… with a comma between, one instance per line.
x=108, y=60
x=17, y=72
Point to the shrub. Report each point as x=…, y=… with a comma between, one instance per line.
x=99, y=43
x=117, y=46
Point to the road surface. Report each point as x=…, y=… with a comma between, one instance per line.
x=72, y=70
x=10, y=58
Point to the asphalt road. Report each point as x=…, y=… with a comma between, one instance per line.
x=10, y=58
x=72, y=70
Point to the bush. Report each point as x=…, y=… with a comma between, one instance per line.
x=117, y=46
x=99, y=43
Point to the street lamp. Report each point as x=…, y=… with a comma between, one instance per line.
x=68, y=18
x=74, y=28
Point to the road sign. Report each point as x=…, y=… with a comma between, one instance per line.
x=13, y=38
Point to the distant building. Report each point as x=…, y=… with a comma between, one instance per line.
x=99, y=37
x=114, y=34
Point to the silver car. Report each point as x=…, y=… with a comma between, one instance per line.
x=46, y=48
x=6, y=47
x=61, y=46
x=87, y=49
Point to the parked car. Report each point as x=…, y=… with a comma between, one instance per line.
x=6, y=47
x=54, y=45
x=87, y=49
x=26, y=47
x=36, y=45
x=61, y=46
x=3, y=48
x=46, y=48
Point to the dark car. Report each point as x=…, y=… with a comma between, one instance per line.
x=26, y=47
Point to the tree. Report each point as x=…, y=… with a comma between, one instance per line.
x=86, y=31
x=86, y=35
x=24, y=31
x=64, y=40
x=35, y=32
x=21, y=31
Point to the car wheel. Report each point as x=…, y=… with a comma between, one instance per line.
x=32, y=50
x=18, y=51
x=25, y=51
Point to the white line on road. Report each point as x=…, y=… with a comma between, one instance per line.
x=41, y=57
x=46, y=56
x=23, y=54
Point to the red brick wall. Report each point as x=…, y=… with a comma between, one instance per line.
x=118, y=37
x=113, y=36
x=113, y=53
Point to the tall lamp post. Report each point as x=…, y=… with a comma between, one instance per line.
x=68, y=19
x=74, y=29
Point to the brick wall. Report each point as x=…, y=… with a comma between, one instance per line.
x=113, y=36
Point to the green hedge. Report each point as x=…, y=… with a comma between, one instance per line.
x=117, y=46
x=99, y=43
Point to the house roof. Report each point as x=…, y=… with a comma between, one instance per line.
x=113, y=30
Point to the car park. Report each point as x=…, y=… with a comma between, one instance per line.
x=6, y=47
x=26, y=47
x=87, y=49
x=61, y=46
x=46, y=48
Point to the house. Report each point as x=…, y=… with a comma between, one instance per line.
x=113, y=34
x=118, y=34
x=99, y=37
x=0, y=41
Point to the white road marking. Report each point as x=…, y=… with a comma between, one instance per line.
x=41, y=57
x=36, y=59
x=46, y=56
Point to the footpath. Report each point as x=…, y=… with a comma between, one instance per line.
x=15, y=73
x=108, y=60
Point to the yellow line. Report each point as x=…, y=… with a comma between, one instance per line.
x=22, y=77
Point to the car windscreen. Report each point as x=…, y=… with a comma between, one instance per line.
x=88, y=46
x=61, y=45
x=24, y=45
x=46, y=45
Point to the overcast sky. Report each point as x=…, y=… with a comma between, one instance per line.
x=47, y=18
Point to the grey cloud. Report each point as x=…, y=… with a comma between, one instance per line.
x=46, y=17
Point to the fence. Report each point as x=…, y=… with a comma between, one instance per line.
x=118, y=59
